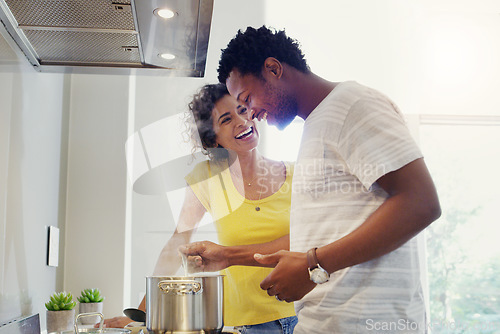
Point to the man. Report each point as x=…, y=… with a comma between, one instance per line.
x=361, y=192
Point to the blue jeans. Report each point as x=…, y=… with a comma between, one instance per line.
x=280, y=326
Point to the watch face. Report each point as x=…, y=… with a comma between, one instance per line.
x=319, y=276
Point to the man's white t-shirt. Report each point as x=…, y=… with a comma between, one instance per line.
x=351, y=139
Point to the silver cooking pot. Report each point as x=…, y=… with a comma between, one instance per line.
x=184, y=304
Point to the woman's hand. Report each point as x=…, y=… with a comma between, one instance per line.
x=116, y=322
x=204, y=256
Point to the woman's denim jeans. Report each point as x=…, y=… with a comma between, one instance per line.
x=280, y=326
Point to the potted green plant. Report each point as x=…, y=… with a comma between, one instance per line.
x=90, y=301
x=60, y=312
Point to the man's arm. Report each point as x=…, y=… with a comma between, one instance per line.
x=412, y=205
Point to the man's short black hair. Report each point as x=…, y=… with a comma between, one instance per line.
x=248, y=50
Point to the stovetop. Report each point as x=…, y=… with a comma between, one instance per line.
x=26, y=325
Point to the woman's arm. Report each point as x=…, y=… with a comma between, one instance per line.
x=191, y=213
x=169, y=259
x=208, y=256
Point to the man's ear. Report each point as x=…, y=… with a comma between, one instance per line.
x=272, y=68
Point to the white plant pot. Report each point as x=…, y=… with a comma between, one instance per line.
x=90, y=308
x=58, y=321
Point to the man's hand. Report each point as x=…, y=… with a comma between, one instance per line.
x=289, y=280
x=204, y=256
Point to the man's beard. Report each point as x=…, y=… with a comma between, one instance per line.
x=285, y=107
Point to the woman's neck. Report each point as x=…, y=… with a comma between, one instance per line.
x=246, y=164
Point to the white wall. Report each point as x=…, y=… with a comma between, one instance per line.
x=430, y=57
x=96, y=198
x=33, y=116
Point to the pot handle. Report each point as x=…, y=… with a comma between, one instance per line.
x=81, y=315
x=180, y=287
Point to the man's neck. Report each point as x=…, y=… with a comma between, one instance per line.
x=309, y=89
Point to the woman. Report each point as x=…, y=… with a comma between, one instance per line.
x=248, y=197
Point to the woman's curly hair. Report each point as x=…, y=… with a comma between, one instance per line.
x=200, y=122
x=248, y=50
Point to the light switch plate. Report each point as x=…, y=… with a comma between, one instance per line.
x=53, y=247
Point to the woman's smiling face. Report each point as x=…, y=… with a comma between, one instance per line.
x=233, y=127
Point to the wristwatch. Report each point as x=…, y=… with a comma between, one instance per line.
x=317, y=274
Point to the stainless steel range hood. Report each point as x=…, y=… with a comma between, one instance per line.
x=111, y=36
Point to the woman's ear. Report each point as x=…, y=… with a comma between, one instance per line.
x=272, y=68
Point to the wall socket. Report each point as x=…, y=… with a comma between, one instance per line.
x=53, y=247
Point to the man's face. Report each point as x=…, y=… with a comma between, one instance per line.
x=265, y=99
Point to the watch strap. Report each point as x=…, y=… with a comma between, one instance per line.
x=312, y=258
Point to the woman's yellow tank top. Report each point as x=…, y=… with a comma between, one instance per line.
x=239, y=223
